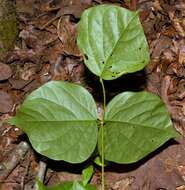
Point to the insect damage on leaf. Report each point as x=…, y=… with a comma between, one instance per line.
x=111, y=35
x=61, y=118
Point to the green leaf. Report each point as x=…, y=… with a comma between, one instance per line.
x=98, y=161
x=112, y=41
x=39, y=185
x=87, y=174
x=136, y=123
x=68, y=186
x=60, y=120
x=79, y=186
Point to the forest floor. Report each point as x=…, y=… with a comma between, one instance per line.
x=46, y=50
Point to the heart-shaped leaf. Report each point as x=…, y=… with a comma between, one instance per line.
x=136, y=123
x=112, y=41
x=60, y=120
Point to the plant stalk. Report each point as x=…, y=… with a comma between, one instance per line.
x=102, y=135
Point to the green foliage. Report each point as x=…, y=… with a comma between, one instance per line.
x=113, y=41
x=136, y=123
x=39, y=185
x=98, y=161
x=87, y=174
x=67, y=186
x=61, y=120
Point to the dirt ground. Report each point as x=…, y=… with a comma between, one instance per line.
x=46, y=50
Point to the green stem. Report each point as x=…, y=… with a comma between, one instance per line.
x=104, y=96
x=102, y=134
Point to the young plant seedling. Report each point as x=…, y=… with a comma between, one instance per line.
x=75, y=185
x=61, y=119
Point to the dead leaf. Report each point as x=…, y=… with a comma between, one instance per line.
x=72, y=7
x=178, y=23
x=5, y=71
x=67, y=34
x=6, y=102
x=123, y=184
x=18, y=83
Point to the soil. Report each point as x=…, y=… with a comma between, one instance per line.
x=46, y=50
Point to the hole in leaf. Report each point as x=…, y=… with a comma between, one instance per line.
x=86, y=57
x=113, y=74
x=152, y=140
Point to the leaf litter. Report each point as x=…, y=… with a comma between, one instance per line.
x=47, y=50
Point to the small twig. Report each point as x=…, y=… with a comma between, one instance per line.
x=49, y=22
x=41, y=172
x=7, y=166
x=25, y=172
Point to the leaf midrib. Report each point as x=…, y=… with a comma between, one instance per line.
x=68, y=121
x=113, y=49
x=141, y=125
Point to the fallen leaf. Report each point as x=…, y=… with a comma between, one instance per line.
x=67, y=35
x=6, y=102
x=5, y=71
x=18, y=83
